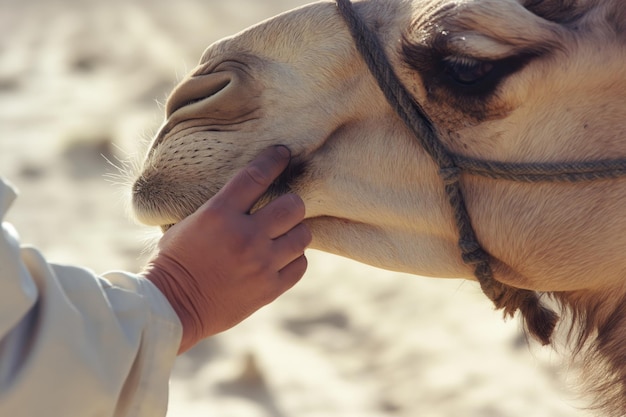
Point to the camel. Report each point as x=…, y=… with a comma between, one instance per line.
x=513, y=81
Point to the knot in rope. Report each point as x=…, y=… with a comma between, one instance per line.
x=472, y=252
x=450, y=175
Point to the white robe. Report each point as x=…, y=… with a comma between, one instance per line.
x=75, y=344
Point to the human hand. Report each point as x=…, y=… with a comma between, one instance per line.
x=221, y=264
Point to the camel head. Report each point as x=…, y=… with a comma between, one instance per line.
x=502, y=80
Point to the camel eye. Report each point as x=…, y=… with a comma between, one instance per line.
x=467, y=71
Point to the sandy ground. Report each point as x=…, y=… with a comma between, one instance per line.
x=80, y=80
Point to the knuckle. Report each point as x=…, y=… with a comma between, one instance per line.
x=239, y=243
x=281, y=214
x=263, y=266
x=302, y=264
x=258, y=176
x=267, y=167
x=303, y=236
x=296, y=244
x=296, y=203
x=214, y=210
x=242, y=240
x=294, y=272
x=289, y=206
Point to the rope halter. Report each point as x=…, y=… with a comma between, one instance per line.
x=539, y=320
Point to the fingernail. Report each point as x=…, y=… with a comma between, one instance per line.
x=284, y=151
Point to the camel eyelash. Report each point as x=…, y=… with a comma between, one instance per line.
x=461, y=75
x=467, y=71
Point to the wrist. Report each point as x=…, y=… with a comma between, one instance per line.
x=179, y=299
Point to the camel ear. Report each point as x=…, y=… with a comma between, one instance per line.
x=558, y=11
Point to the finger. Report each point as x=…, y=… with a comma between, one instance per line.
x=291, y=274
x=291, y=245
x=249, y=184
x=281, y=215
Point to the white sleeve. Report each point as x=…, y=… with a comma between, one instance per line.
x=74, y=344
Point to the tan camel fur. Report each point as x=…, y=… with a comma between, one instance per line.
x=503, y=80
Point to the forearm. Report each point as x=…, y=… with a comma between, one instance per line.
x=75, y=344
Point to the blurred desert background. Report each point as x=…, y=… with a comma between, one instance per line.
x=83, y=81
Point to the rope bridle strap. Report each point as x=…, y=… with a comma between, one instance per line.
x=539, y=320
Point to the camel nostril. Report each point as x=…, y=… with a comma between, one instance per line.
x=196, y=89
